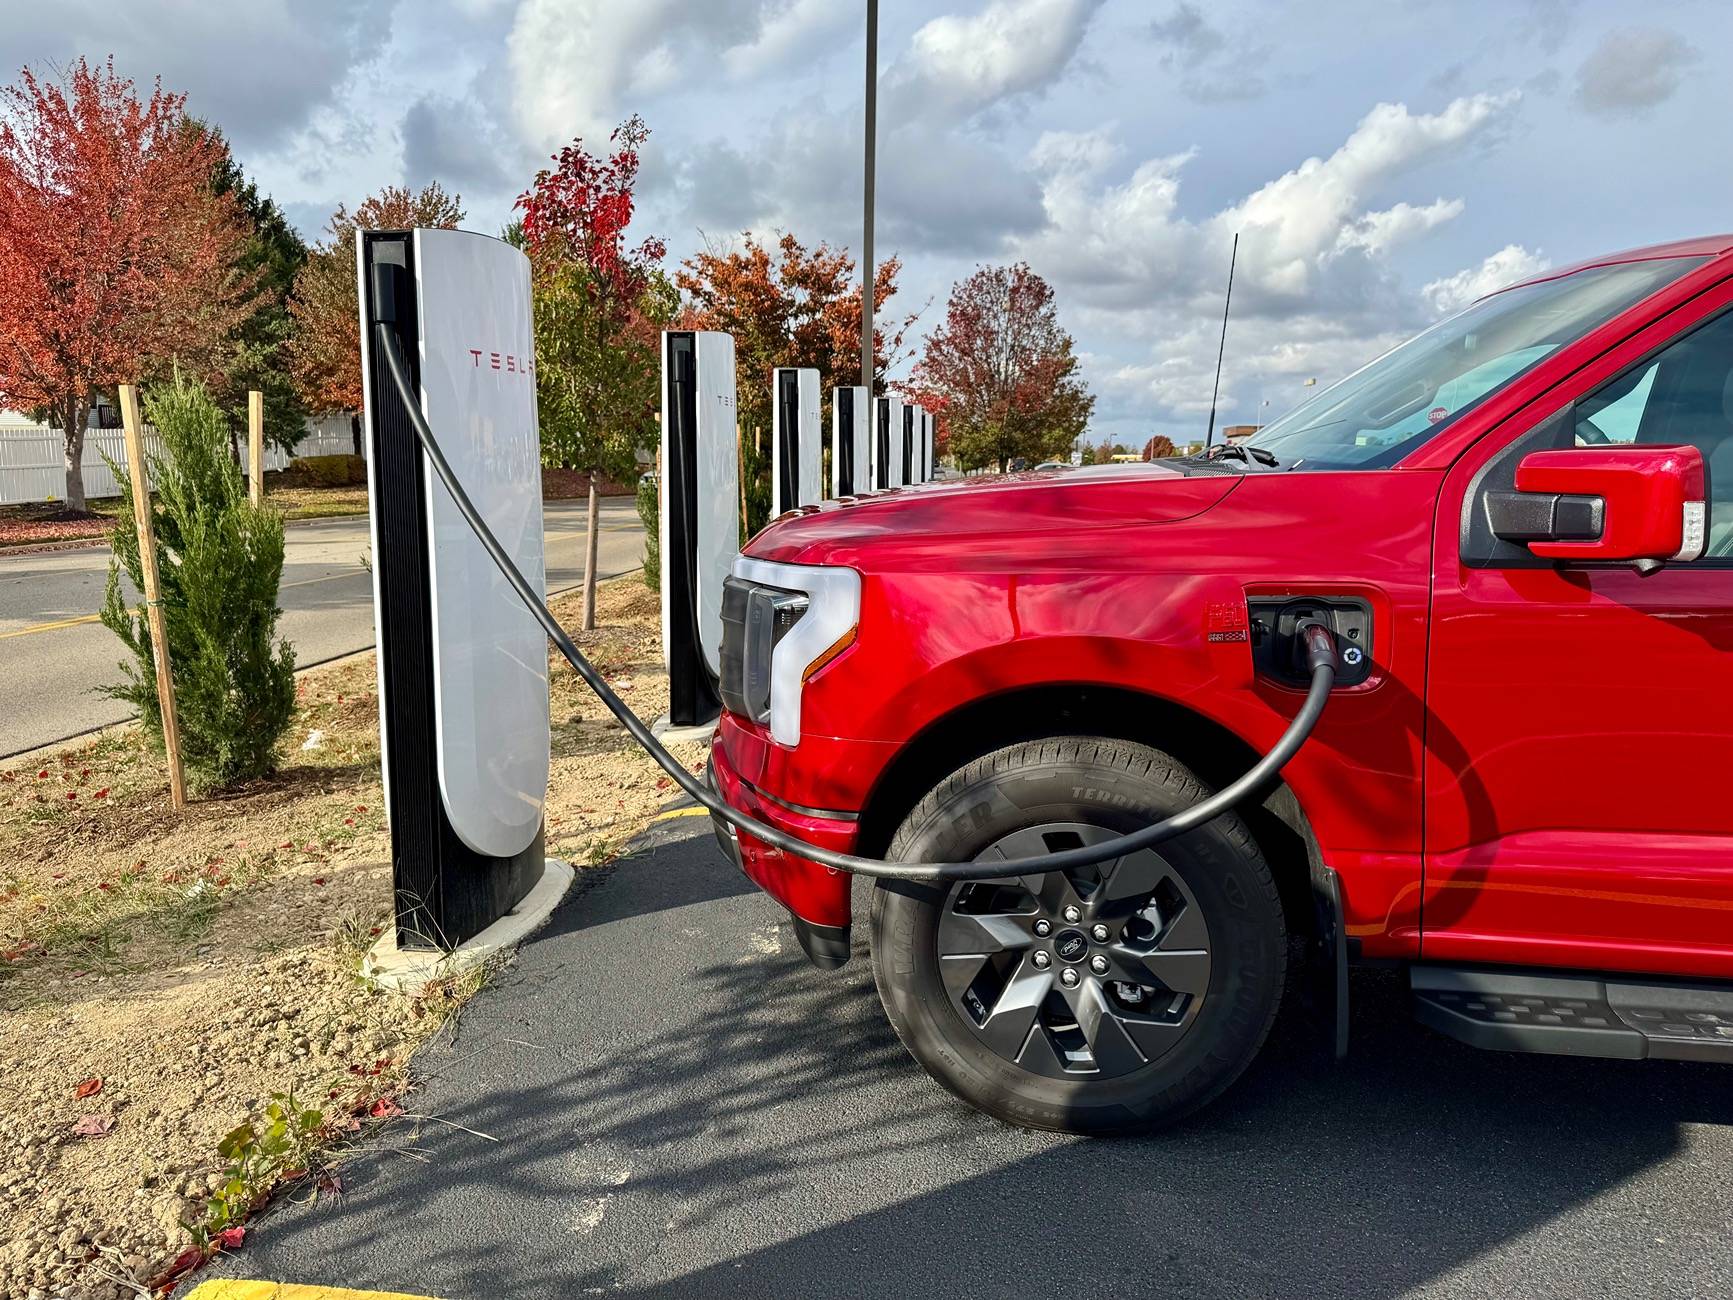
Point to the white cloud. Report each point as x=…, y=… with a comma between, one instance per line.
x=1081, y=153
x=957, y=66
x=1308, y=239
x=1315, y=292
x=578, y=66
x=796, y=30
x=1379, y=232
x=1505, y=267
x=944, y=185
x=1633, y=69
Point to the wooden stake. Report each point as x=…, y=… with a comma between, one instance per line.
x=592, y=532
x=256, y=446
x=165, y=687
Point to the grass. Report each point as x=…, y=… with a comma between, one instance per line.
x=296, y=500
x=98, y=876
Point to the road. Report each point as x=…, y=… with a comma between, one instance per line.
x=675, y=1104
x=53, y=652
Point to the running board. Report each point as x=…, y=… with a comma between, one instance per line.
x=1514, y=1010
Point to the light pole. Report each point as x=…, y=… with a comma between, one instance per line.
x=866, y=293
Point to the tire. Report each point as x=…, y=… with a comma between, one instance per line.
x=1192, y=1022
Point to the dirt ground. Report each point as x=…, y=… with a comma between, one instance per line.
x=166, y=979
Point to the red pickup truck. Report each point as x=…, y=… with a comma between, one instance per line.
x=1518, y=524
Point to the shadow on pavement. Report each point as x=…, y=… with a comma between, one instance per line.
x=684, y=1108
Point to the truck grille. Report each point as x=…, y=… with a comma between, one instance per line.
x=735, y=594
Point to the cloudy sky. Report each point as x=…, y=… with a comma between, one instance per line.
x=1382, y=160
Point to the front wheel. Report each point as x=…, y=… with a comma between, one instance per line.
x=1100, y=1000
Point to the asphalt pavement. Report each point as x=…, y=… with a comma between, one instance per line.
x=675, y=1104
x=54, y=654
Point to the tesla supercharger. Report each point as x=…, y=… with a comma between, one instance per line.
x=887, y=443
x=932, y=464
x=796, y=440
x=911, y=452
x=463, y=683
x=850, y=435
x=699, y=524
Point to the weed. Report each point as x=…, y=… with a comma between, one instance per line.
x=280, y=1143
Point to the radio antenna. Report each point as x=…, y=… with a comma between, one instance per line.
x=1227, y=302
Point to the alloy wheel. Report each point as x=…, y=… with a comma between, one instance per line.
x=1088, y=974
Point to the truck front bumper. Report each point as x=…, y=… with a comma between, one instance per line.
x=817, y=897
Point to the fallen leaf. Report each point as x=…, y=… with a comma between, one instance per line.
x=383, y=1108
x=229, y=1238
x=93, y=1126
x=89, y=1088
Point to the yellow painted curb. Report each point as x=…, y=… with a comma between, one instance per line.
x=697, y=810
x=237, y=1289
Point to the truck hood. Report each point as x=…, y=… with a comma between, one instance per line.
x=1008, y=511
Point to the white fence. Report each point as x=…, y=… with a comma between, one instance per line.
x=33, y=457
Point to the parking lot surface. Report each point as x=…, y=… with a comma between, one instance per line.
x=675, y=1104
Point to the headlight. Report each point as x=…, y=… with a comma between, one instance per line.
x=781, y=623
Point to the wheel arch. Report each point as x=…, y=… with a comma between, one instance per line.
x=1217, y=755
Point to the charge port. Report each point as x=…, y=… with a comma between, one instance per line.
x=1278, y=648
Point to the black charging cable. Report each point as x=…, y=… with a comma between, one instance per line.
x=1321, y=663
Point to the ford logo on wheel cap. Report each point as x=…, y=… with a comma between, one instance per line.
x=1071, y=945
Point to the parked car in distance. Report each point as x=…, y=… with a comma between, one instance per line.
x=1054, y=464
x=1519, y=527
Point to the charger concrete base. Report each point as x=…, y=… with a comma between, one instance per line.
x=665, y=730
x=410, y=970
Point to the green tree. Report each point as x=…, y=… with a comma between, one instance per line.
x=650, y=513
x=221, y=562
x=597, y=390
x=272, y=257
x=599, y=308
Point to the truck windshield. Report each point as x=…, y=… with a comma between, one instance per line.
x=1383, y=411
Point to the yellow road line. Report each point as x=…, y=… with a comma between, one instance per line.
x=92, y=618
x=50, y=627
x=238, y=1289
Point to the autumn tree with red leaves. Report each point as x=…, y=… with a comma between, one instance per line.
x=117, y=258
x=791, y=306
x=1160, y=447
x=325, y=350
x=1002, y=372
x=600, y=306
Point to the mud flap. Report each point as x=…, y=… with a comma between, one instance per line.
x=1330, y=964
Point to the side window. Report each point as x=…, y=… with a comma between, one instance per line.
x=1683, y=394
